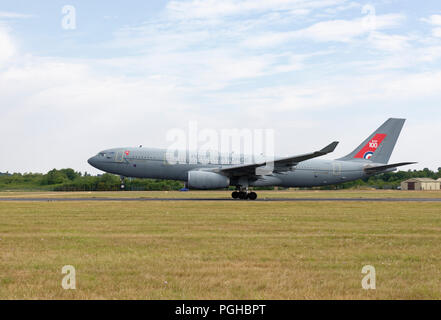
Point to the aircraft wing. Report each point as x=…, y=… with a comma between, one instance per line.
x=378, y=169
x=279, y=165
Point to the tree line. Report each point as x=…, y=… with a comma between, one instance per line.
x=390, y=180
x=71, y=180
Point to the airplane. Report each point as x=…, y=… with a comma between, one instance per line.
x=371, y=157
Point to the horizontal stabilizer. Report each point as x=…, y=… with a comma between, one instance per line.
x=378, y=169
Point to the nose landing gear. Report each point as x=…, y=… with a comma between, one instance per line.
x=122, y=182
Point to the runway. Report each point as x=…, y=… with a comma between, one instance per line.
x=103, y=199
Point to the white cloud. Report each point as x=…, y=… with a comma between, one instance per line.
x=7, y=48
x=433, y=20
x=436, y=32
x=346, y=6
x=210, y=69
x=208, y=9
x=347, y=91
x=328, y=31
x=428, y=54
x=13, y=15
x=385, y=42
x=51, y=107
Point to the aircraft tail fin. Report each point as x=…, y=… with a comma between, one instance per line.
x=379, y=145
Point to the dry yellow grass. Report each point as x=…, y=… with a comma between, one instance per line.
x=227, y=194
x=221, y=250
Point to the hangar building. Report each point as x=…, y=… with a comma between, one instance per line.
x=421, y=184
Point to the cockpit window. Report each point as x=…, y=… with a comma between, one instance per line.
x=102, y=154
x=110, y=155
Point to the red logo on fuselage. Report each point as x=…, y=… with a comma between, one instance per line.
x=368, y=150
x=127, y=153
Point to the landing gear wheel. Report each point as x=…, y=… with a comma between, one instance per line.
x=252, y=196
x=242, y=195
x=235, y=195
x=123, y=180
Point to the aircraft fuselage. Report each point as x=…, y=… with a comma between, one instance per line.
x=152, y=163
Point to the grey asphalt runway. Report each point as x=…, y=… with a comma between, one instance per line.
x=226, y=199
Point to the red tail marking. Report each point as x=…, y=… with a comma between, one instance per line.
x=367, y=151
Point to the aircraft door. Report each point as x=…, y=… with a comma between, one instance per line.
x=336, y=169
x=119, y=156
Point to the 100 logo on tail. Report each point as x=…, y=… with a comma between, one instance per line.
x=368, y=150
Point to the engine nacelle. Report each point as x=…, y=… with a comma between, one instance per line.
x=207, y=180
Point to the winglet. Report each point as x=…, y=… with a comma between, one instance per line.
x=329, y=148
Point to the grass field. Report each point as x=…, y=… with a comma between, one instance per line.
x=224, y=250
x=227, y=194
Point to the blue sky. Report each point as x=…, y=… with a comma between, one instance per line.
x=313, y=71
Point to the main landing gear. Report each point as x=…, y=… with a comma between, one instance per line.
x=244, y=194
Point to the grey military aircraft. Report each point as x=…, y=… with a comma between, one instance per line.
x=371, y=157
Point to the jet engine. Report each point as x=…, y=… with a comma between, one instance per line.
x=207, y=180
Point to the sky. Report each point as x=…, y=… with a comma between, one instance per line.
x=82, y=76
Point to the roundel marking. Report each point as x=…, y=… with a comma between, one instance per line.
x=368, y=155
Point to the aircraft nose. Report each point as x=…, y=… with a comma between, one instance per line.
x=92, y=161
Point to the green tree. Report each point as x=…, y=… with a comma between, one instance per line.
x=54, y=177
x=70, y=173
